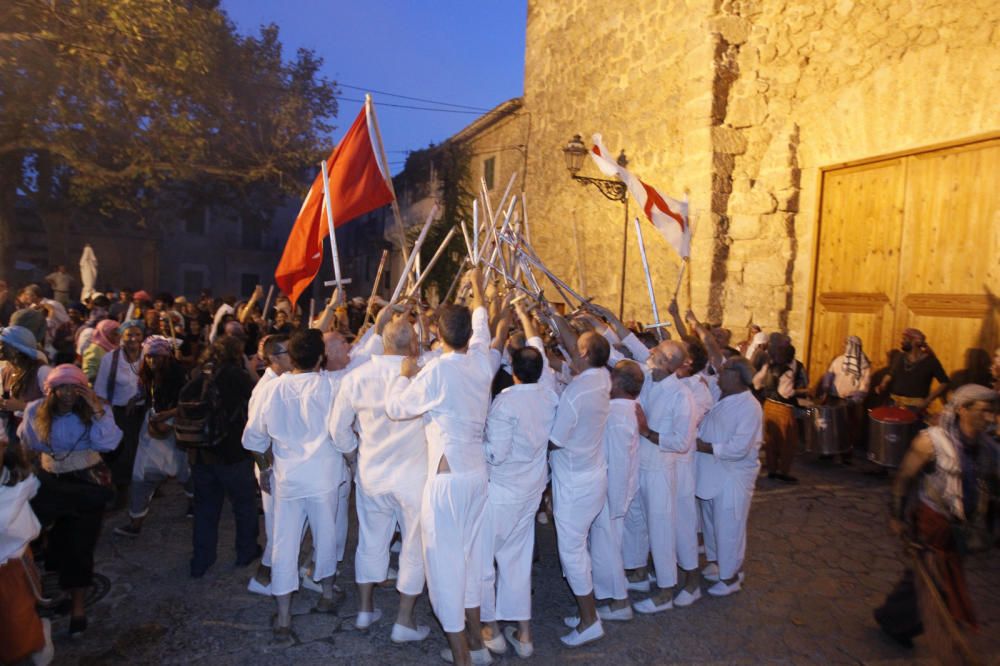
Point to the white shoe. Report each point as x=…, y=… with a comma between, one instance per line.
x=542, y=518
x=396, y=547
x=638, y=586
x=478, y=656
x=309, y=584
x=720, y=589
x=366, y=619
x=496, y=645
x=402, y=634
x=256, y=587
x=523, y=650
x=649, y=607
x=686, y=598
x=577, y=638
x=392, y=574
x=711, y=572
x=617, y=615
x=572, y=621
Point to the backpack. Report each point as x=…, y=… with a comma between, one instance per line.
x=200, y=421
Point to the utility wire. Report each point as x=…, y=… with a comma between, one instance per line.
x=414, y=99
x=407, y=106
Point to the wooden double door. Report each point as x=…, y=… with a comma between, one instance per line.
x=910, y=241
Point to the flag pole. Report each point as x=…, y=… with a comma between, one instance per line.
x=649, y=277
x=329, y=221
x=688, y=258
x=373, y=125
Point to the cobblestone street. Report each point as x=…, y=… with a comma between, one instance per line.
x=819, y=560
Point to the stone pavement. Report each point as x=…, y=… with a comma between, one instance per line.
x=819, y=559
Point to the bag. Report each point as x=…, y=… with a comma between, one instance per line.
x=200, y=422
x=97, y=475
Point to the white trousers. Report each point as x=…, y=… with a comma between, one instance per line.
x=267, y=504
x=509, y=541
x=290, y=517
x=343, y=504
x=451, y=518
x=575, y=508
x=377, y=518
x=606, y=543
x=724, y=522
x=649, y=526
x=685, y=515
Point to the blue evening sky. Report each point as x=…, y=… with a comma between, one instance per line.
x=469, y=53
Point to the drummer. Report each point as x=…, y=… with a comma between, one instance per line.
x=910, y=377
x=780, y=381
x=848, y=378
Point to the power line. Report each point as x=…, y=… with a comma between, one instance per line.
x=407, y=106
x=414, y=99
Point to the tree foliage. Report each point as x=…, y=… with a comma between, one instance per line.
x=104, y=103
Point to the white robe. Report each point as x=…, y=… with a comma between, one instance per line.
x=727, y=477
x=517, y=437
x=390, y=477
x=266, y=499
x=452, y=394
x=579, y=471
x=621, y=449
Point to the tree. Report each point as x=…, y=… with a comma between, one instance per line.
x=109, y=104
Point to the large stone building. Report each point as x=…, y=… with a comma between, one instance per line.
x=840, y=158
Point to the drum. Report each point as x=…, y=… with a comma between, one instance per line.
x=889, y=434
x=826, y=431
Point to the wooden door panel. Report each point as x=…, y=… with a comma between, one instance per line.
x=950, y=260
x=857, y=264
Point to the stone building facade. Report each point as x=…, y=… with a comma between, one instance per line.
x=742, y=104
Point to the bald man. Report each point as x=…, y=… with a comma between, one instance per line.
x=580, y=477
x=668, y=433
x=391, y=472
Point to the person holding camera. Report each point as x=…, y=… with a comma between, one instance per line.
x=69, y=428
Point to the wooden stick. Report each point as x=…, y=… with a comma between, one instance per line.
x=416, y=249
x=378, y=279
x=430, y=264
x=680, y=276
x=267, y=302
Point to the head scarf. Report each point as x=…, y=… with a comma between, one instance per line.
x=914, y=334
x=855, y=361
x=157, y=345
x=759, y=339
x=142, y=295
x=67, y=373
x=132, y=323
x=101, y=333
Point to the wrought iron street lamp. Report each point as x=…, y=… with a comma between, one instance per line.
x=615, y=190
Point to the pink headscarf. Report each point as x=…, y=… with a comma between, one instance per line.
x=103, y=329
x=67, y=373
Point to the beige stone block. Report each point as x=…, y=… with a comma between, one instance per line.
x=754, y=202
x=746, y=111
x=768, y=53
x=744, y=227
x=733, y=29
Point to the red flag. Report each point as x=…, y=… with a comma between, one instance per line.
x=357, y=186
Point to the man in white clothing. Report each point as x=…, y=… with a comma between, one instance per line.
x=391, y=472
x=621, y=450
x=668, y=434
x=580, y=477
x=272, y=349
x=451, y=393
x=308, y=470
x=517, y=436
x=729, y=441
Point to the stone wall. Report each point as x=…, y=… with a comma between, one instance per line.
x=741, y=103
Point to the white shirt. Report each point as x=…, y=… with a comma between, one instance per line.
x=548, y=377
x=621, y=450
x=126, y=377
x=18, y=524
x=734, y=429
x=701, y=394
x=517, y=439
x=291, y=418
x=669, y=410
x=390, y=453
x=846, y=384
x=578, y=430
x=452, y=394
